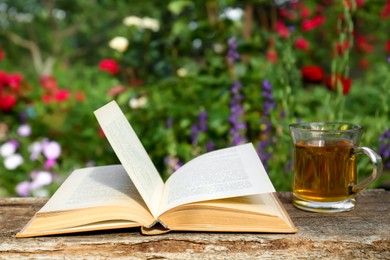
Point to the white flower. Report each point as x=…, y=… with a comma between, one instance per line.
x=138, y=102
x=24, y=130
x=218, y=48
x=51, y=150
x=150, y=23
x=142, y=23
x=13, y=161
x=133, y=21
x=182, y=72
x=119, y=43
x=233, y=14
x=40, y=179
x=8, y=148
x=40, y=193
x=35, y=149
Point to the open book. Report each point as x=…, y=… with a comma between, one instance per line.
x=226, y=190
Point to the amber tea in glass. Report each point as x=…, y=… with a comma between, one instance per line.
x=325, y=177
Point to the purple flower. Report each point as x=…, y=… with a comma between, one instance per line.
x=384, y=148
x=232, y=55
x=169, y=123
x=236, y=118
x=23, y=189
x=210, y=146
x=267, y=140
x=194, y=134
x=173, y=163
x=199, y=127
x=203, y=121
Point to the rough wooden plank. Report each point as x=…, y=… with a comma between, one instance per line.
x=362, y=233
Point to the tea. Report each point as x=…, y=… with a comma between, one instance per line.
x=324, y=169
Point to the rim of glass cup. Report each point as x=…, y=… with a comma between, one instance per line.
x=308, y=126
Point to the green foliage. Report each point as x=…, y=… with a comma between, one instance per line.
x=168, y=75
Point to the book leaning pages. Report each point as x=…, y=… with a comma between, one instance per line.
x=226, y=190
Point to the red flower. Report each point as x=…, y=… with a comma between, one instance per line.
x=80, y=96
x=14, y=80
x=363, y=45
x=341, y=47
x=49, y=83
x=302, y=44
x=312, y=74
x=109, y=65
x=333, y=82
x=46, y=99
x=313, y=23
x=385, y=11
x=1, y=54
x=282, y=29
x=358, y=3
x=387, y=47
x=287, y=14
x=305, y=12
x=272, y=56
x=3, y=79
x=7, y=102
x=61, y=95
x=364, y=63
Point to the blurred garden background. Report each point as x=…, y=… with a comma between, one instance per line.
x=191, y=77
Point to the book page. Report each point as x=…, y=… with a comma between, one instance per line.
x=131, y=154
x=95, y=187
x=229, y=172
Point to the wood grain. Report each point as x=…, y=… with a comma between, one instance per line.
x=363, y=233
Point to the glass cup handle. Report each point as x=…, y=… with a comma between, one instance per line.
x=377, y=165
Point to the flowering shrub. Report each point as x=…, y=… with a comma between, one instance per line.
x=31, y=165
x=192, y=78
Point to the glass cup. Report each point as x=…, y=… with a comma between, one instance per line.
x=325, y=176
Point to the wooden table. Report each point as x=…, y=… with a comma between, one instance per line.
x=363, y=233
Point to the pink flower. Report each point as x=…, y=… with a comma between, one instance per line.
x=313, y=23
x=114, y=91
x=110, y=66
